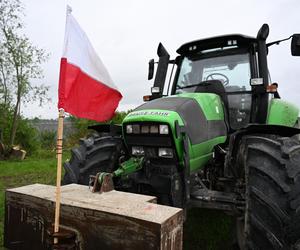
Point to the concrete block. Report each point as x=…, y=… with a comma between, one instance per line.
x=113, y=220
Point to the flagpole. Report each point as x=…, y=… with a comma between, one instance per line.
x=59, y=148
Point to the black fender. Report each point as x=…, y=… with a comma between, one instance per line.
x=113, y=129
x=234, y=139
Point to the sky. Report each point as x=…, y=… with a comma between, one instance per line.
x=125, y=34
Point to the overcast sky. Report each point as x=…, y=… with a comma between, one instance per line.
x=125, y=34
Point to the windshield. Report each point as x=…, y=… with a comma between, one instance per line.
x=232, y=70
x=234, y=73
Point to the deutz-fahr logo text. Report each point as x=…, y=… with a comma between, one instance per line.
x=149, y=113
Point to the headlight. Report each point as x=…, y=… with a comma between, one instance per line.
x=165, y=152
x=136, y=150
x=154, y=129
x=136, y=128
x=129, y=129
x=163, y=129
x=145, y=129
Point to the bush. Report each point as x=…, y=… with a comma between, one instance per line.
x=27, y=137
x=48, y=139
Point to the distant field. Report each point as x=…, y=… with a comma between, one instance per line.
x=205, y=230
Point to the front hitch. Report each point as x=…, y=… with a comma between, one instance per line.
x=103, y=182
x=127, y=167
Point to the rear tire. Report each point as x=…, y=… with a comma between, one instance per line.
x=94, y=154
x=272, y=212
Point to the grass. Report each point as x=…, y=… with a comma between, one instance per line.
x=207, y=230
x=204, y=229
x=20, y=173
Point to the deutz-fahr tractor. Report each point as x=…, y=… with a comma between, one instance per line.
x=217, y=136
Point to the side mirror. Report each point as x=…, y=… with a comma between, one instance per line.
x=151, y=69
x=295, y=45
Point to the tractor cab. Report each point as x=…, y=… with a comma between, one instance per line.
x=231, y=66
x=221, y=65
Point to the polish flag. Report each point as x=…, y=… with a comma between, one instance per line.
x=86, y=90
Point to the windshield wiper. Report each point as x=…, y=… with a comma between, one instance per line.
x=189, y=86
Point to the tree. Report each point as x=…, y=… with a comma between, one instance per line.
x=7, y=20
x=22, y=62
x=5, y=77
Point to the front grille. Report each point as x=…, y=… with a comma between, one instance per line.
x=153, y=140
x=139, y=137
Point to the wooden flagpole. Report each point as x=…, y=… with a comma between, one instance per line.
x=59, y=148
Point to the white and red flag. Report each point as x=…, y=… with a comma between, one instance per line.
x=86, y=90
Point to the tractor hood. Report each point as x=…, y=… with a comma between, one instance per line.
x=201, y=113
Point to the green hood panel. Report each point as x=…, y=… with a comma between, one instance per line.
x=152, y=115
x=282, y=113
x=202, y=116
x=210, y=104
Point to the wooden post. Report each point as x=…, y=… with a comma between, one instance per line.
x=59, y=147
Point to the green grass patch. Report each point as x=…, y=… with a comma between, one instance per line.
x=20, y=173
x=204, y=229
x=207, y=230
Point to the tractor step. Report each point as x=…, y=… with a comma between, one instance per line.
x=205, y=198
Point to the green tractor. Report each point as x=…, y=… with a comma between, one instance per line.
x=217, y=137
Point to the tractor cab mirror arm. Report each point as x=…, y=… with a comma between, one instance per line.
x=295, y=44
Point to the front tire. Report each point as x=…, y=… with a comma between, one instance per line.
x=272, y=177
x=97, y=153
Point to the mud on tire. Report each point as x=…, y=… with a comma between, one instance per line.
x=272, y=216
x=97, y=153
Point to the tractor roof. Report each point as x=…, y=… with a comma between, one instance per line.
x=233, y=40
